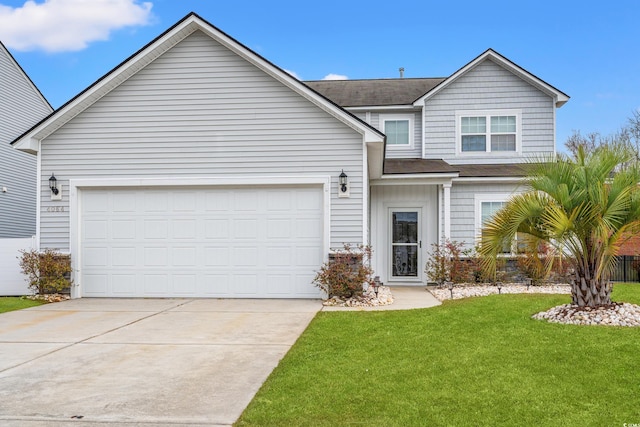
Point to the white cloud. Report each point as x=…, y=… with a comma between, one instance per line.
x=68, y=25
x=332, y=76
x=293, y=73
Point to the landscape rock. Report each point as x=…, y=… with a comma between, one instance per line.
x=367, y=299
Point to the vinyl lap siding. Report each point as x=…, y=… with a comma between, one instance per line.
x=20, y=108
x=199, y=111
x=463, y=211
x=488, y=87
x=416, y=153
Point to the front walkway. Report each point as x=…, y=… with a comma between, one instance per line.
x=405, y=298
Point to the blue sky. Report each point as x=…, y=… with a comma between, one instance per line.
x=587, y=49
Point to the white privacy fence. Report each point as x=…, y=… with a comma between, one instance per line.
x=12, y=282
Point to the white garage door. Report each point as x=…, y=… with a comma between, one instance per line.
x=259, y=242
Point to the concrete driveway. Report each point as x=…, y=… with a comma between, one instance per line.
x=142, y=361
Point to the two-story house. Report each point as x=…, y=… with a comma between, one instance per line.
x=454, y=152
x=198, y=168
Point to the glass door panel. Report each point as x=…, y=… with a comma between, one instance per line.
x=405, y=243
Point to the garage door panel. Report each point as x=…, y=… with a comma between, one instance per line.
x=124, y=203
x=279, y=284
x=123, y=229
x=123, y=285
x=184, y=257
x=244, y=284
x=279, y=228
x=96, y=230
x=216, y=256
x=123, y=256
x=278, y=256
x=96, y=257
x=156, y=229
x=184, y=284
x=155, y=257
x=155, y=201
x=95, y=284
x=246, y=201
x=184, y=201
x=216, y=285
x=217, y=201
x=216, y=229
x=307, y=256
x=245, y=229
x=215, y=242
x=308, y=228
x=156, y=284
x=183, y=229
x=95, y=203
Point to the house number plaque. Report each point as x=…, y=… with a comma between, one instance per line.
x=55, y=208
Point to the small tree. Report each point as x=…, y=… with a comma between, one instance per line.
x=584, y=206
x=46, y=271
x=346, y=272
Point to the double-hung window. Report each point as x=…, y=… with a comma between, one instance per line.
x=399, y=130
x=486, y=207
x=487, y=132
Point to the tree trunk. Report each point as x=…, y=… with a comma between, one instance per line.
x=590, y=292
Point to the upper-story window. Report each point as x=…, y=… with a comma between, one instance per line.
x=488, y=131
x=399, y=130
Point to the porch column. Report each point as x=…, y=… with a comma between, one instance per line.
x=446, y=188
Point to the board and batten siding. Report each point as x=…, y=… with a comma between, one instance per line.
x=199, y=110
x=384, y=197
x=488, y=86
x=416, y=152
x=463, y=209
x=21, y=106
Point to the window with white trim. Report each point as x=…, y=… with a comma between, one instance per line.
x=488, y=131
x=399, y=130
x=486, y=207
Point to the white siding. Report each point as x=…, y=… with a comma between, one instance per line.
x=384, y=197
x=488, y=86
x=21, y=106
x=463, y=213
x=199, y=110
x=416, y=153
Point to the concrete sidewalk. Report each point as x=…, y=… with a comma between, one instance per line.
x=405, y=298
x=130, y=362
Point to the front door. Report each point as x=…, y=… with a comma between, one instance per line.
x=405, y=244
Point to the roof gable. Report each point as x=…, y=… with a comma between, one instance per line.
x=188, y=25
x=559, y=97
x=21, y=103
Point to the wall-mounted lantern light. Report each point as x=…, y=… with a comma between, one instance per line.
x=56, y=193
x=344, y=185
x=53, y=184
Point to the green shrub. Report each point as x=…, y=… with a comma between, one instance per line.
x=46, y=271
x=346, y=272
x=449, y=262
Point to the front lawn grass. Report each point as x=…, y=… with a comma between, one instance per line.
x=472, y=362
x=16, y=303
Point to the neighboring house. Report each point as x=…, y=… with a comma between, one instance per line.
x=21, y=106
x=197, y=168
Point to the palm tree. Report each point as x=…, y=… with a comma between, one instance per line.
x=584, y=206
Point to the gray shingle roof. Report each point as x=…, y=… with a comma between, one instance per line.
x=416, y=166
x=375, y=92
